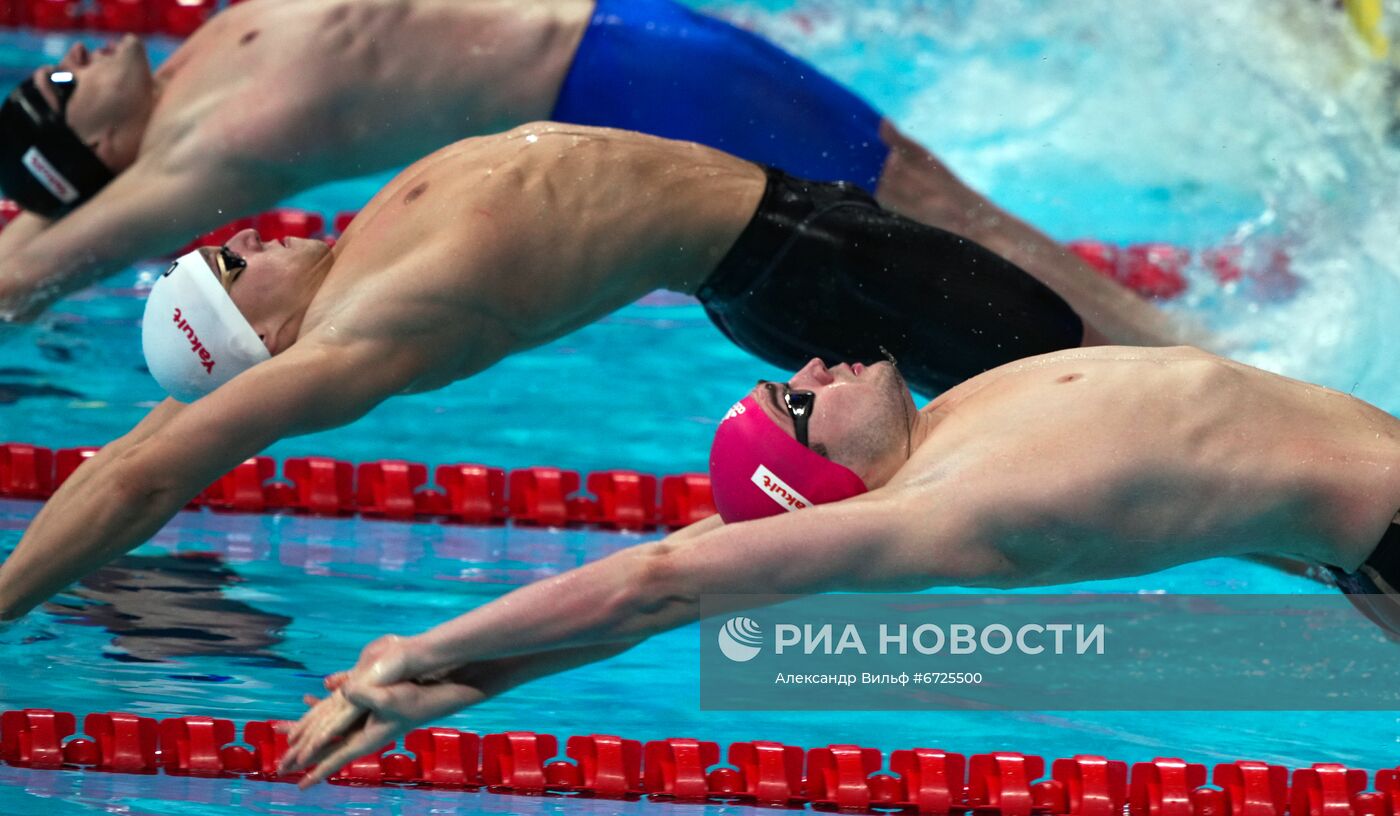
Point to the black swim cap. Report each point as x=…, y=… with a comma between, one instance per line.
x=44, y=166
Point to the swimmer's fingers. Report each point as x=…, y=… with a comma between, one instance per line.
x=336, y=680
x=324, y=731
x=317, y=729
x=393, y=711
x=336, y=756
x=324, y=726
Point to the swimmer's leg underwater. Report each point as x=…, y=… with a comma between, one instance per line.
x=916, y=184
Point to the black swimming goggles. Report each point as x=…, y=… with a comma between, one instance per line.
x=64, y=86
x=229, y=265
x=799, y=406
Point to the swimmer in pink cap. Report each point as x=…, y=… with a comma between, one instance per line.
x=764, y=460
x=1077, y=465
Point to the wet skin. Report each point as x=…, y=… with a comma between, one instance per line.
x=1077, y=465
x=272, y=97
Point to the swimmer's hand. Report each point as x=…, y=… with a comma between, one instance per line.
x=369, y=706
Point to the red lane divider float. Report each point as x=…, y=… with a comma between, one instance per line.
x=848, y=778
x=1158, y=271
x=175, y=18
x=1154, y=270
x=399, y=490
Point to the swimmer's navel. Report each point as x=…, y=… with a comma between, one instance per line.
x=1068, y=378
x=249, y=37
x=415, y=193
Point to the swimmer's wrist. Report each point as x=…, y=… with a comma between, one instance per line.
x=420, y=659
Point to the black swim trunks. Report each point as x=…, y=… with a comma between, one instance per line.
x=823, y=271
x=1374, y=588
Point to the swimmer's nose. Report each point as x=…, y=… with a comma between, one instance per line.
x=247, y=240
x=815, y=371
x=77, y=57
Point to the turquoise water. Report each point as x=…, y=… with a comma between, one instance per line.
x=1194, y=123
x=297, y=598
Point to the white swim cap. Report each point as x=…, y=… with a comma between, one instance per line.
x=194, y=338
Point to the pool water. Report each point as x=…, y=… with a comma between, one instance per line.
x=237, y=616
x=1254, y=124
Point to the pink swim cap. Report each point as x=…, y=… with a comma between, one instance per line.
x=757, y=470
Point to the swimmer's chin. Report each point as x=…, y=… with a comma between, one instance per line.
x=324, y=249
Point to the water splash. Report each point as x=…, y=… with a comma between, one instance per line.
x=1259, y=125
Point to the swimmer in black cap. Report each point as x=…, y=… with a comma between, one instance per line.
x=272, y=97
x=499, y=244
x=1078, y=465
x=44, y=162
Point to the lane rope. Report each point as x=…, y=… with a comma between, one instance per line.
x=398, y=490
x=836, y=777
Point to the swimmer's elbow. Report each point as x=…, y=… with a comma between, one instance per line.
x=654, y=596
x=134, y=482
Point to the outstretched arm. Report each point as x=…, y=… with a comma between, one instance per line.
x=152, y=208
x=125, y=495
x=872, y=543
x=653, y=587
x=19, y=232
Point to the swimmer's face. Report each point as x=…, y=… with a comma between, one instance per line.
x=114, y=96
x=861, y=416
x=273, y=285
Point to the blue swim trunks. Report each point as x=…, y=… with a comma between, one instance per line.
x=656, y=67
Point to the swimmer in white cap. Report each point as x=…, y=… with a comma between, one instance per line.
x=1078, y=465
x=117, y=163
x=500, y=244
